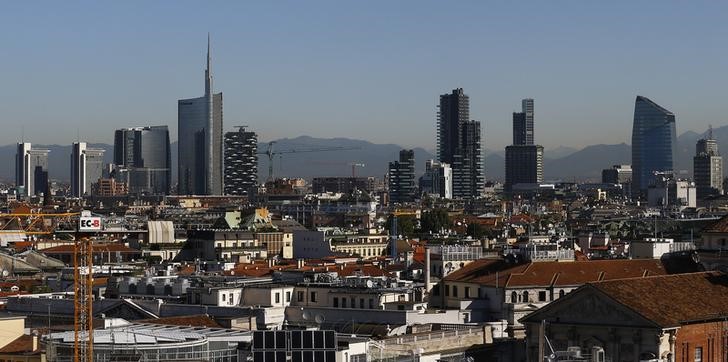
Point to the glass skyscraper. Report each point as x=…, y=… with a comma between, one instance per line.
x=459, y=144
x=143, y=155
x=653, y=143
x=200, y=141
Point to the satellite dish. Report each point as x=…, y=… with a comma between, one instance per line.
x=5, y=273
x=319, y=318
x=306, y=315
x=370, y=284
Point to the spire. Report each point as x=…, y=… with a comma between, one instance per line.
x=710, y=132
x=208, y=72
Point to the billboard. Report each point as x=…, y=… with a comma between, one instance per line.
x=89, y=223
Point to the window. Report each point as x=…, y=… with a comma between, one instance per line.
x=467, y=292
x=436, y=290
x=223, y=297
x=371, y=303
x=561, y=293
x=288, y=296
x=447, y=291
x=698, y=354
x=313, y=297
x=278, y=297
x=231, y=300
x=361, y=303
x=343, y=302
x=514, y=297
x=353, y=302
x=542, y=296
x=525, y=296
x=454, y=291
x=336, y=302
x=300, y=296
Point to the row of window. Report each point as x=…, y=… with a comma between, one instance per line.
x=353, y=303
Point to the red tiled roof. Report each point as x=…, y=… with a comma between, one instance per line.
x=581, y=272
x=553, y=273
x=672, y=300
x=22, y=344
x=720, y=226
x=484, y=272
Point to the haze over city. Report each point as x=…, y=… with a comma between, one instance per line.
x=369, y=71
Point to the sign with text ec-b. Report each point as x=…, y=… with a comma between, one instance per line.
x=89, y=223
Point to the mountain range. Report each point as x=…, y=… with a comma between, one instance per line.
x=562, y=163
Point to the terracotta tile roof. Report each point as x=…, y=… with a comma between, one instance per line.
x=672, y=300
x=720, y=226
x=189, y=320
x=365, y=270
x=22, y=344
x=581, y=272
x=554, y=273
x=484, y=272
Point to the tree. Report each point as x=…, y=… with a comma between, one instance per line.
x=476, y=230
x=405, y=224
x=433, y=221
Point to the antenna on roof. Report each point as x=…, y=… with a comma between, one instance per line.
x=710, y=131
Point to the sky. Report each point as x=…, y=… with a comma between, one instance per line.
x=369, y=70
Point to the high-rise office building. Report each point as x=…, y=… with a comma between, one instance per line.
x=524, y=165
x=653, y=143
x=87, y=167
x=31, y=170
x=241, y=162
x=708, y=168
x=459, y=144
x=143, y=159
x=523, y=132
x=524, y=159
x=402, y=178
x=437, y=180
x=200, y=141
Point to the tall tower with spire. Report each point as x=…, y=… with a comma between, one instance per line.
x=200, y=140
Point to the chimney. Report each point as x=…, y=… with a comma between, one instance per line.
x=300, y=263
x=427, y=270
x=35, y=342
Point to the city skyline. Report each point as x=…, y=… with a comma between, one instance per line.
x=584, y=87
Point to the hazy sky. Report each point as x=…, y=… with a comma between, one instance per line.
x=368, y=70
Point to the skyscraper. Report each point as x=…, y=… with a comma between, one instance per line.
x=524, y=165
x=143, y=157
x=31, y=169
x=437, y=180
x=524, y=159
x=653, y=143
x=459, y=144
x=708, y=167
x=523, y=132
x=87, y=166
x=402, y=177
x=200, y=140
x=241, y=162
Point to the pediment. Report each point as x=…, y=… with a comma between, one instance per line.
x=589, y=307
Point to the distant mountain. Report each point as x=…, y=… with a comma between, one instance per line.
x=559, y=152
x=375, y=157
x=587, y=164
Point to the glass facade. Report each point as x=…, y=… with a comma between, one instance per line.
x=653, y=143
x=144, y=153
x=200, y=144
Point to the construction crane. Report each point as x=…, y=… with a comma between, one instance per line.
x=270, y=152
x=33, y=223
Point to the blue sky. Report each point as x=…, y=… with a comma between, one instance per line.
x=368, y=70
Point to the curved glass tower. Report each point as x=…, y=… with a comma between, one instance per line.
x=200, y=141
x=653, y=143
